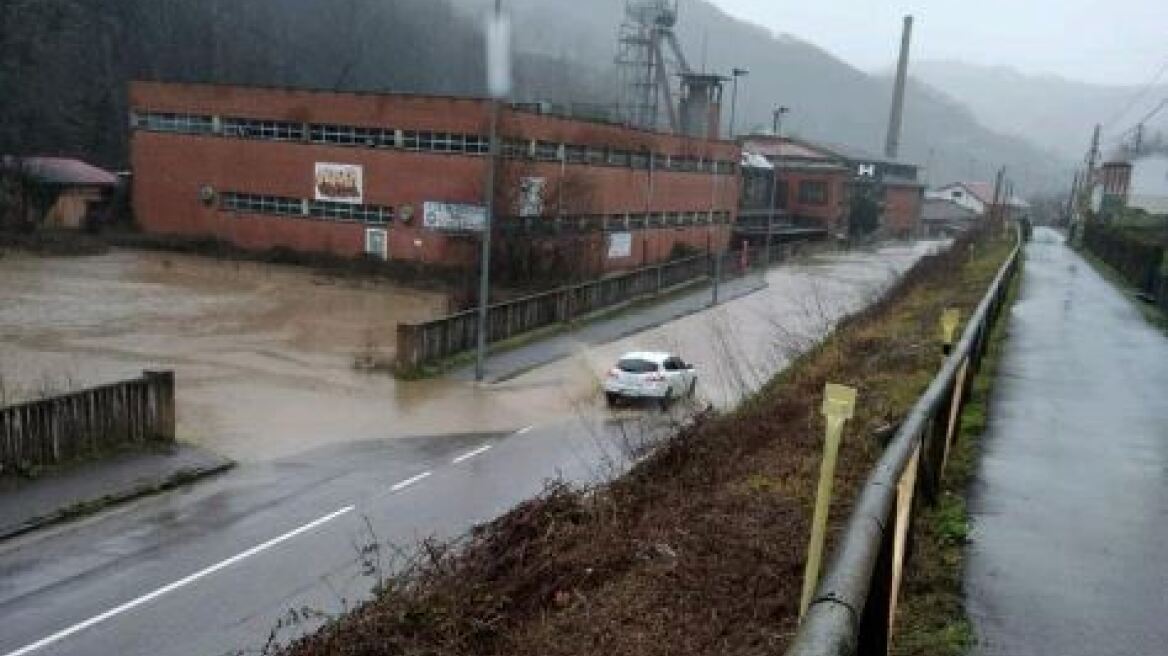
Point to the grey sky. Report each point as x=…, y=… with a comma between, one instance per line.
x=1112, y=41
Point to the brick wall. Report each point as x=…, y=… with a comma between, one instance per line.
x=171, y=169
x=902, y=210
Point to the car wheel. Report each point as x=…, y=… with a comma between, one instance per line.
x=611, y=399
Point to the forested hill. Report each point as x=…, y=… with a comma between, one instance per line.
x=64, y=64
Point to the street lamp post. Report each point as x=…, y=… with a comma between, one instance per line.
x=778, y=114
x=770, y=216
x=498, y=82
x=735, y=74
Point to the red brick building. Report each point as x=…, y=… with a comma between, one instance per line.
x=817, y=182
x=402, y=177
x=813, y=184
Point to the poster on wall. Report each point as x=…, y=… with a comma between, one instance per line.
x=453, y=217
x=339, y=183
x=531, y=197
x=620, y=244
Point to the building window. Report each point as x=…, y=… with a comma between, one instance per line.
x=618, y=158
x=547, y=151
x=347, y=135
x=516, y=148
x=639, y=160
x=375, y=214
x=171, y=122
x=813, y=192
x=282, y=206
x=260, y=204
x=576, y=154
x=247, y=128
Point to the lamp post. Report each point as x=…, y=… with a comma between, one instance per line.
x=499, y=86
x=778, y=115
x=735, y=74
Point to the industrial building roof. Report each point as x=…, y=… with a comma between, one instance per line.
x=64, y=171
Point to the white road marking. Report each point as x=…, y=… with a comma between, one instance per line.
x=409, y=481
x=470, y=454
x=147, y=598
x=524, y=429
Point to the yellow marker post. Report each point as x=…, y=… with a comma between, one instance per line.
x=839, y=405
x=949, y=322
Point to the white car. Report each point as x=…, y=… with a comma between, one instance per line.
x=662, y=377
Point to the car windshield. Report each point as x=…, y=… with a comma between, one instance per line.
x=636, y=366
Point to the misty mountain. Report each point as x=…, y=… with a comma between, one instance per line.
x=1053, y=112
x=829, y=99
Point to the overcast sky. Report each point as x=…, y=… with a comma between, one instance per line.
x=1112, y=41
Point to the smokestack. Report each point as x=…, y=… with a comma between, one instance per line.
x=892, y=144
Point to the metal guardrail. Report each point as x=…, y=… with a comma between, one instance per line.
x=854, y=605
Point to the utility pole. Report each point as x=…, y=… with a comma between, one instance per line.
x=770, y=216
x=498, y=83
x=996, y=209
x=735, y=74
x=1071, y=200
x=896, y=116
x=1093, y=156
x=1139, y=138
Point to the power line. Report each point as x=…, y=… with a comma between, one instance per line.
x=1139, y=95
x=1145, y=119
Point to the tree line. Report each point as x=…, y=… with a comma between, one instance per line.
x=64, y=64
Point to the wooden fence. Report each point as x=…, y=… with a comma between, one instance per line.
x=83, y=424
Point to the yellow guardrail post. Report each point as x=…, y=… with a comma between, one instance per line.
x=839, y=405
x=950, y=320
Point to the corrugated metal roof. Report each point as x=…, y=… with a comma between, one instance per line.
x=64, y=171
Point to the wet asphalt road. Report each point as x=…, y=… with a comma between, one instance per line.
x=213, y=568
x=1070, y=507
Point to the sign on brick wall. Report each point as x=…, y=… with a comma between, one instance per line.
x=453, y=216
x=339, y=183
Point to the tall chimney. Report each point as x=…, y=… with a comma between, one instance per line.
x=892, y=144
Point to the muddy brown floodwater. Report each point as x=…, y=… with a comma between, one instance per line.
x=264, y=354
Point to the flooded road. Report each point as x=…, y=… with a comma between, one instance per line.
x=264, y=354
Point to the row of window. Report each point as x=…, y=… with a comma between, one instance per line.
x=377, y=214
x=283, y=206
x=423, y=141
x=613, y=222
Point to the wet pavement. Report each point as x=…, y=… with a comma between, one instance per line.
x=334, y=460
x=1070, y=506
x=33, y=504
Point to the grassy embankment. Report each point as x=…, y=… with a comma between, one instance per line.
x=699, y=549
x=931, y=618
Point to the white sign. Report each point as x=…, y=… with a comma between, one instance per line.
x=531, y=195
x=620, y=244
x=453, y=216
x=867, y=170
x=339, y=183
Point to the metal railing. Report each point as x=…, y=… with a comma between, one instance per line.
x=855, y=603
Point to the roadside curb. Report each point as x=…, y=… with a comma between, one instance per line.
x=176, y=479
